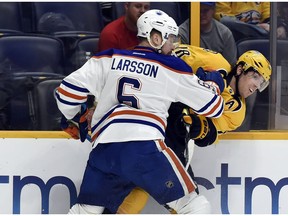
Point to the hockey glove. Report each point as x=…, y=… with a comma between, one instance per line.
x=201, y=130
x=78, y=126
x=213, y=76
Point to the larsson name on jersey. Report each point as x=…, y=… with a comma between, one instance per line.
x=134, y=67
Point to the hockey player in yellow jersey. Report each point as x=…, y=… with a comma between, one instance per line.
x=251, y=73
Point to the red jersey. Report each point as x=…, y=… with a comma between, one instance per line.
x=117, y=35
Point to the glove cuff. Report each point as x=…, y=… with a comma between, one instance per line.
x=211, y=136
x=199, y=127
x=203, y=126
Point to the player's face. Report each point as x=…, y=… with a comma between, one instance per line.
x=170, y=45
x=135, y=9
x=249, y=83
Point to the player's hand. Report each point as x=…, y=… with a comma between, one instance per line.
x=198, y=124
x=70, y=127
x=77, y=127
x=201, y=129
x=213, y=76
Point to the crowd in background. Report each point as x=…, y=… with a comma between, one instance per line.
x=220, y=24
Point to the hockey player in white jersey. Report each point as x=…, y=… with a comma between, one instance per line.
x=134, y=90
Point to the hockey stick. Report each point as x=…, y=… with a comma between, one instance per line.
x=189, y=152
x=189, y=149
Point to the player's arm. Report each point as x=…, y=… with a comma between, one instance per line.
x=79, y=126
x=204, y=97
x=234, y=113
x=201, y=129
x=73, y=93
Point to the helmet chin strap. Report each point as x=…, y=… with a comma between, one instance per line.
x=237, y=89
x=237, y=76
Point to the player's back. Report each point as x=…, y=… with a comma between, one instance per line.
x=147, y=82
x=143, y=80
x=134, y=90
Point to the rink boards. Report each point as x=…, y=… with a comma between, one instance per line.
x=40, y=173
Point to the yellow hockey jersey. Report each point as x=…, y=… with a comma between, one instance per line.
x=248, y=12
x=235, y=106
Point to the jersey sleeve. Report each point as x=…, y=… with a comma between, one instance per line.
x=202, y=97
x=234, y=114
x=74, y=89
x=225, y=123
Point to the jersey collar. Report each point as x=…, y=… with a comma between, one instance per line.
x=144, y=49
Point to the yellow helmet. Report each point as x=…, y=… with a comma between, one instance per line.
x=257, y=61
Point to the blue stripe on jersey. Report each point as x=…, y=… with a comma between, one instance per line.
x=219, y=113
x=105, y=117
x=77, y=88
x=208, y=105
x=135, y=121
x=66, y=102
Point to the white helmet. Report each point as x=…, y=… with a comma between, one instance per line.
x=158, y=20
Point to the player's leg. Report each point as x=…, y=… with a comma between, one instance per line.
x=85, y=209
x=151, y=165
x=165, y=179
x=100, y=186
x=190, y=204
x=134, y=203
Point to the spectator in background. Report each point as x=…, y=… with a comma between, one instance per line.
x=282, y=20
x=245, y=19
x=213, y=34
x=122, y=32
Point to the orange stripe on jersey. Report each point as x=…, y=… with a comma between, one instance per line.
x=183, y=173
x=95, y=136
x=62, y=91
x=133, y=112
x=214, y=108
x=162, y=144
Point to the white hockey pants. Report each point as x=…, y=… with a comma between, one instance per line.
x=191, y=204
x=85, y=209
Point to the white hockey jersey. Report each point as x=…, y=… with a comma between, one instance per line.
x=134, y=90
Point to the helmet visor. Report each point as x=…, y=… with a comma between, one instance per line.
x=259, y=80
x=263, y=86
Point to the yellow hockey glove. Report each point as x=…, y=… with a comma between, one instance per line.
x=201, y=129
